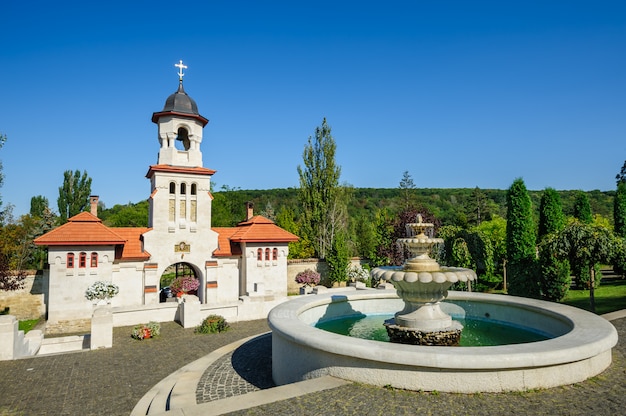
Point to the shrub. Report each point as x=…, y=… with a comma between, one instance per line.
x=308, y=277
x=212, y=324
x=150, y=330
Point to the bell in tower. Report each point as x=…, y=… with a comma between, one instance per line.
x=180, y=128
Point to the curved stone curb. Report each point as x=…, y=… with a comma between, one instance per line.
x=168, y=390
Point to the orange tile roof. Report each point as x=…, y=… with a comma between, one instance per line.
x=226, y=248
x=81, y=229
x=133, y=248
x=257, y=229
x=87, y=229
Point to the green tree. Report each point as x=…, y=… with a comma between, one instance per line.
x=319, y=191
x=585, y=246
x=478, y=207
x=407, y=190
x=301, y=249
x=384, y=242
x=129, y=215
x=73, y=194
x=554, y=274
x=551, y=217
x=337, y=260
x=228, y=207
x=520, y=242
x=38, y=205
x=619, y=225
x=495, y=231
x=621, y=176
x=3, y=139
x=619, y=210
x=582, y=208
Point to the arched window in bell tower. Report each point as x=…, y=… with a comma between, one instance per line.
x=182, y=140
x=193, y=189
x=172, y=188
x=183, y=188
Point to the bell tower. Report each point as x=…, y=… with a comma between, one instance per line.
x=180, y=200
x=180, y=128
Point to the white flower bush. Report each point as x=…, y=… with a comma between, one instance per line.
x=101, y=290
x=358, y=274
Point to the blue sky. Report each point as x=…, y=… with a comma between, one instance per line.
x=458, y=93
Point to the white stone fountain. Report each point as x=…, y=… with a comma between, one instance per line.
x=422, y=284
x=578, y=346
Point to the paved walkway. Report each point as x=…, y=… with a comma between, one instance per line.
x=115, y=380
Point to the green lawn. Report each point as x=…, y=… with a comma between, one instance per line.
x=610, y=297
x=27, y=325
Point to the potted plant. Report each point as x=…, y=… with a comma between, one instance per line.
x=358, y=276
x=101, y=292
x=150, y=330
x=307, y=278
x=185, y=284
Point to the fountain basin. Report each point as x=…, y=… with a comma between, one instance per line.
x=581, y=347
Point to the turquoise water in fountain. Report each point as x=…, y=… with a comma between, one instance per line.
x=476, y=332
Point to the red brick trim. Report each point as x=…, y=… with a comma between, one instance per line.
x=211, y=285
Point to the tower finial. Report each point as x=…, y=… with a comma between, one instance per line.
x=180, y=67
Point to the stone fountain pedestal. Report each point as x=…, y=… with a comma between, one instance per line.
x=422, y=284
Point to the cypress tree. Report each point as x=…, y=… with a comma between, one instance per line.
x=582, y=208
x=554, y=274
x=619, y=210
x=619, y=221
x=520, y=242
x=551, y=217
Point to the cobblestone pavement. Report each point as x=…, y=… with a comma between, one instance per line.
x=111, y=381
x=108, y=381
x=247, y=369
x=603, y=395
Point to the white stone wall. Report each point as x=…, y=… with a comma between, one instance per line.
x=67, y=286
x=265, y=277
x=128, y=277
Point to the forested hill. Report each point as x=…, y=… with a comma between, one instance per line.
x=458, y=206
x=453, y=206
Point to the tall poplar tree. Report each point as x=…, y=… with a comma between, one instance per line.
x=520, y=242
x=73, y=195
x=319, y=191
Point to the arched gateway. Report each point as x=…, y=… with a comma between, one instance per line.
x=224, y=260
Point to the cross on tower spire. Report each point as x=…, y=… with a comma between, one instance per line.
x=180, y=67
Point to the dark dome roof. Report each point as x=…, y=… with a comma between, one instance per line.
x=180, y=102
